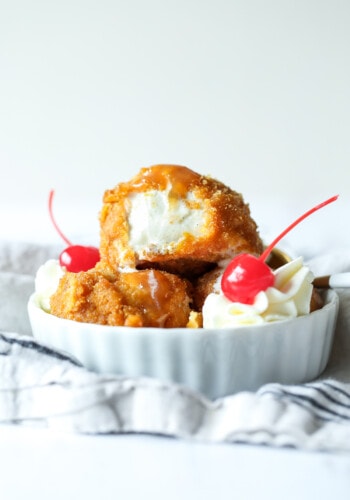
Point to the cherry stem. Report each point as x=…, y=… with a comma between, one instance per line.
x=268, y=250
x=66, y=240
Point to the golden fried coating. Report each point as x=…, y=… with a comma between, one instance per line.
x=138, y=298
x=171, y=218
x=204, y=285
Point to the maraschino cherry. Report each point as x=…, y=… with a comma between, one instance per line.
x=74, y=258
x=247, y=275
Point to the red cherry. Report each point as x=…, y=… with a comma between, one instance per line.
x=74, y=258
x=246, y=275
x=78, y=258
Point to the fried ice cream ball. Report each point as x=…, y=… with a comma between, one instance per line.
x=147, y=298
x=170, y=218
x=204, y=285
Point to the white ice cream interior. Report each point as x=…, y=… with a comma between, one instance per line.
x=157, y=221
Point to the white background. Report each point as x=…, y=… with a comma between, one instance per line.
x=253, y=92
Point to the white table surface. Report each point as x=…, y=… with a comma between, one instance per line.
x=39, y=464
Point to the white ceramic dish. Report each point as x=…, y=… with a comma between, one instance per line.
x=215, y=362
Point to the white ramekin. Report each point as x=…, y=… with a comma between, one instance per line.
x=214, y=362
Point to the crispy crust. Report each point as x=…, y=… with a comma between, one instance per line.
x=137, y=298
x=227, y=228
x=203, y=286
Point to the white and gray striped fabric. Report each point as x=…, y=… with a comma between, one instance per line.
x=42, y=387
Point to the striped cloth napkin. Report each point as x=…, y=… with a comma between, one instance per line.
x=43, y=387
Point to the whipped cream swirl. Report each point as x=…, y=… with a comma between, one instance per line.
x=288, y=298
x=46, y=282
